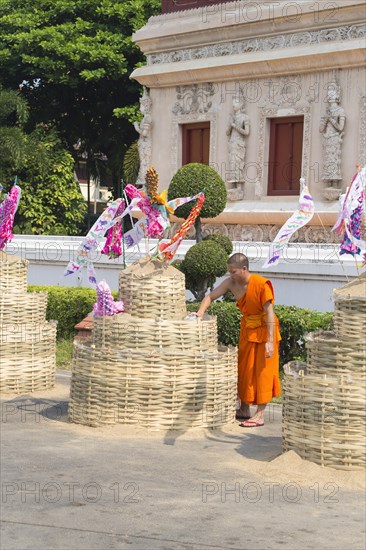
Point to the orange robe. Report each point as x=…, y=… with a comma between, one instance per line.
x=258, y=376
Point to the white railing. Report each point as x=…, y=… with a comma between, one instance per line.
x=305, y=277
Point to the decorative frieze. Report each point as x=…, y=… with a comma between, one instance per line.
x=267, y=43
x=263, y=233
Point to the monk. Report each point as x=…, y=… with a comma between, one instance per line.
x=258, y=361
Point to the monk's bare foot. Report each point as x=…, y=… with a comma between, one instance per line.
x=243, y=413
x=258, y=418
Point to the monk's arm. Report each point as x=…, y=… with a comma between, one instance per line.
x=270, y=321
x=214, y=295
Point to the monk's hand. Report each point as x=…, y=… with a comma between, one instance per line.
x=269, y=349
x=196, y=314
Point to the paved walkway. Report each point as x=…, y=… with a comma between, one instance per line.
x=66, y=486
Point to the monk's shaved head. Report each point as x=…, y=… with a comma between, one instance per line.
x=239, y=260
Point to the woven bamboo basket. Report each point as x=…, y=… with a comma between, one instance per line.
x=324, y=420
x=27, y=357
x=158, y=389
x=14, y=307
x=143, y=334
x=350, y=309
x=151, y=290
x=13, y=273
x=327, y=354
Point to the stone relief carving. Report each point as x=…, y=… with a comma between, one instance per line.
x=362, y=132
x=252, y=233
x=144, y=141
x=285, y=91
x=194, y=98
x=216, y=228
x=265, y=233
x=319, y=235
x=332, y=126
x=237, y=131
x=342, y=33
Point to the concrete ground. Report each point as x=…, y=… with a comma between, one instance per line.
x=66, y=486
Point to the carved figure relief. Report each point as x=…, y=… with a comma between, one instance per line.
x=193, y=99
x=332, y=126
x=238, y=130
x=144, y=131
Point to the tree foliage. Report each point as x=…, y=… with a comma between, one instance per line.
x=51, y=200
x=131, y=164
x=73, y=59
x=51, y=203
x=13, y=142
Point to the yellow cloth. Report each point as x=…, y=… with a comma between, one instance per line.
x=255, y=321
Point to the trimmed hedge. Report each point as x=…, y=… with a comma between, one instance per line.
x=222, y=240
x=69, y=305
x=192, y=178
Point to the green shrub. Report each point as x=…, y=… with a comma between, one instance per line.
x=68, y=306
x=222, y=240
x=295, y=323
x=203, y=263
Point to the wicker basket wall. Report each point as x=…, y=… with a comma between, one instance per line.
x=324, y=420
x=327, y=354
x=350, y=309
x=29, y=307
x=150, y=289
x=350, y=317
x=13, y=273
x=156, y=389
x=143, y=334
x=28, y=357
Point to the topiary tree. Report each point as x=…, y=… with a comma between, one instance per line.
x=222, y=240
x=190, y=180
x=203, y=262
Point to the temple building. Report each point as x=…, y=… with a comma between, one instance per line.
x=266, y=92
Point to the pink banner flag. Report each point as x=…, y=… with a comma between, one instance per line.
x=8, y=209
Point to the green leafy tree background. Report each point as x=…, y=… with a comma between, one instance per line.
x=51, y=199
x=72, y=59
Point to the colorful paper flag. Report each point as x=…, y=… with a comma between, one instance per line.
x=299, y=219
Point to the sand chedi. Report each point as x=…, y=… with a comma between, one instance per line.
x=27, y=340
x=324, y=416
x=150, y=366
